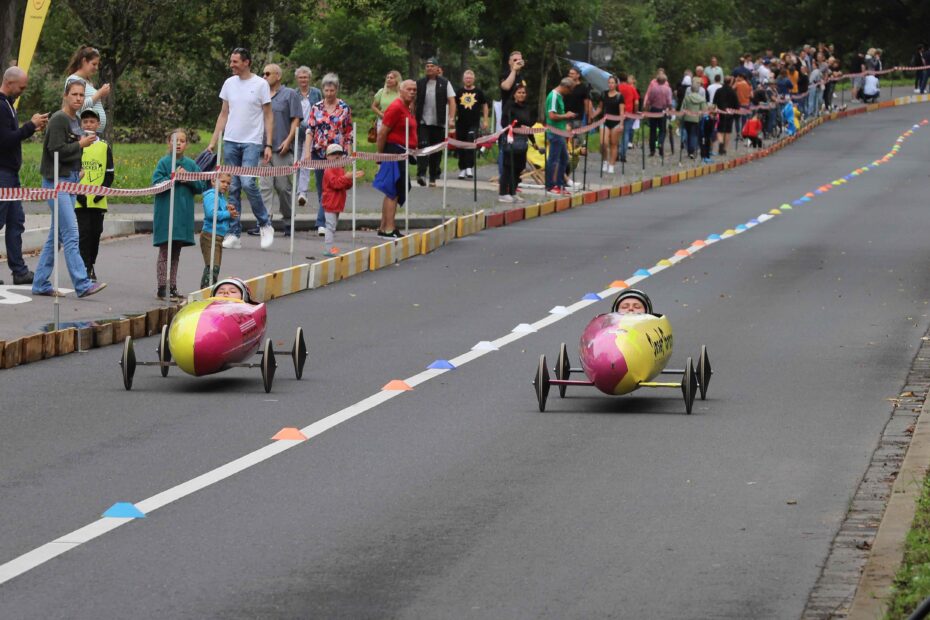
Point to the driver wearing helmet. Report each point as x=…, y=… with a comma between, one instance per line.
x=232, y=288
x=632, y=301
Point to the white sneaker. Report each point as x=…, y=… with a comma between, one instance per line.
x=301, y=200
x=916, y=90
x=610, y=169
x=231, y=242
x=604, y=166
x=470, y=172
x=463, y=174
x=321, y=231
x=569, y=183
x=267, y=235
x=518, y=199
x=505, y=198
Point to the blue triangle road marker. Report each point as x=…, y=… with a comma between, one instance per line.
x=713, y=237
x=124, y=510
x=591, y=297
x=642, y=272
x=441, y=365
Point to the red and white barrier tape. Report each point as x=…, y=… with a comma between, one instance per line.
x=26, y=193
x=38, y=194
x=96, y=190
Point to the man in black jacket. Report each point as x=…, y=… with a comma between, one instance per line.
x=12, y=135
x=435, y=108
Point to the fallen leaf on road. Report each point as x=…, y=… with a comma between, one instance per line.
x=792, y=502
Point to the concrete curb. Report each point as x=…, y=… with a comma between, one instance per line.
x=309, y=276
x=887, y=553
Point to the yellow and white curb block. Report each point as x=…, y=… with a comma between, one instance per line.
x=382, y=256
x=432, y=239
x=407, y=247
x=323, y=273
x=353, y=263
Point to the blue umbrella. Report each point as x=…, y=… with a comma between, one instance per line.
x=595, y=76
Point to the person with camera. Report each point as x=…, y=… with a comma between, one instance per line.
x=513, y=77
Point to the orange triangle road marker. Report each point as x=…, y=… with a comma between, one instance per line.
x=619, y=284
x=396, y=385
x=289, y=434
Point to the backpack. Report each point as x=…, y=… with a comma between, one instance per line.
x=206, y=161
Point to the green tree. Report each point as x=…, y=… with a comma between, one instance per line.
x=358, y=48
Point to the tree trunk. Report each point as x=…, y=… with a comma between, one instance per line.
x=7, y=32
x=544, y=71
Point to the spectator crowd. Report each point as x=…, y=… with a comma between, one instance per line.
x=263, y=122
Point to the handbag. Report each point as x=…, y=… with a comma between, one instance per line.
x=373, y=134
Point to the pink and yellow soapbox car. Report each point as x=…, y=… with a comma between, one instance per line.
x=621, y=353
x=216, y=334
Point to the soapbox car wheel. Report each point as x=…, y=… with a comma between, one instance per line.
x=688, y=383
x=299, y=353
x=127, y=363
x=704, y=372
x=164, y=352
x=268, y=365
x=541, y=383
x=563, y=369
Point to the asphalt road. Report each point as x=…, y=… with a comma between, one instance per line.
x=460, y=499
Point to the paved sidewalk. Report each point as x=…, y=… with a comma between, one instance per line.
x=127, y=265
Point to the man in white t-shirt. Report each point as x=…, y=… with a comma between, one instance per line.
x=246, y=124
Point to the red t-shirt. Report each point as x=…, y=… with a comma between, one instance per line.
x=752, y=128
x=630, y=97
x=394, y=118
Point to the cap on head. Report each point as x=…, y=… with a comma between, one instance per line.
x=432, y=60
x=90, y=112
x=240, y=284
x=636, y=294
x=334, y=149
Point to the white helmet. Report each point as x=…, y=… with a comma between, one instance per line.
x=238, y=283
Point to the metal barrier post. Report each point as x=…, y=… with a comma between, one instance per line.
x=216, y=207
x=57, y=308
x=406, y=178
x=294, y=182
x=174, y=163
x=445, y=166
x=354, y=181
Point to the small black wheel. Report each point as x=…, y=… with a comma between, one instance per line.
x=268, y=365
x=299, y=353
x=688, y=383
x=541, y=383
x=128, y=362
x=563, y=368
x=164, y=351
x=704, y=372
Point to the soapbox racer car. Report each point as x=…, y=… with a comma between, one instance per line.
x=216, y=334
x=621, y=353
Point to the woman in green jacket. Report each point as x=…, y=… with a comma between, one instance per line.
x=182, y=231
x=692, y=106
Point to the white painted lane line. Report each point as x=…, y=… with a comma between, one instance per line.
x=46, y=552
x=215, y=475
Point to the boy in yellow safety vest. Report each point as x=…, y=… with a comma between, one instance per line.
x=96, y=169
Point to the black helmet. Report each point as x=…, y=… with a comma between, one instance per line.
x=635, y=293
x=240, y=284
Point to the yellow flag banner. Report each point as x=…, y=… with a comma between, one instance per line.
x=36, y=10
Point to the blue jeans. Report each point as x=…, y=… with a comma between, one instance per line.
x=69, y=239
x=627, y=137
x=556, y=162
x=814, y=101
x=922, y=77
x=693, y=132
x=13, y=217
x=244, y=154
